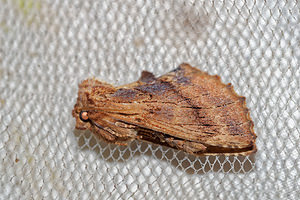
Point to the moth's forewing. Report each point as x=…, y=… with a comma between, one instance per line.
x=190, y=105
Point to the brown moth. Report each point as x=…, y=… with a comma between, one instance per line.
x=185, y=109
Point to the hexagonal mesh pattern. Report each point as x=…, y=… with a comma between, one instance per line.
x=48, y=47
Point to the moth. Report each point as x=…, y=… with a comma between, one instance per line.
x=185, y=109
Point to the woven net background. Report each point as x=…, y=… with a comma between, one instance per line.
x=48, y=47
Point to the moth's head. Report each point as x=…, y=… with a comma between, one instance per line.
x=91, y=97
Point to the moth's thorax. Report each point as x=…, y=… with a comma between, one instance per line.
x=92, y=95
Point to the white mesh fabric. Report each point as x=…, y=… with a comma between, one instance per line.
x=48, y=47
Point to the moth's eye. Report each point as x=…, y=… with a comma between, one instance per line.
x=84, y=116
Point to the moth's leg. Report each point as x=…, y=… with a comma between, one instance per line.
x=115, y=132
x=109, y=137
x=124, y=125
x=104, y=134
x=125, y=131
x=189, y=147
x=121, y=143
x=194, y=147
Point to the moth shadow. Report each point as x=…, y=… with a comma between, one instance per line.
x=201, y=164
x=190, y=164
